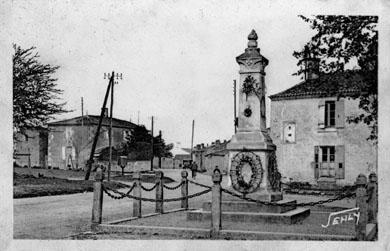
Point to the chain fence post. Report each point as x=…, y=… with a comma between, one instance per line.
x=159, y=192
x=97, y=205
x=184, y=189
x=361, y=203
x=137, y=207
x=372, y=188
x=216, y=199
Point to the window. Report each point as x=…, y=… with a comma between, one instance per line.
x=331, y=114
x=328, y=153
x=330, y=111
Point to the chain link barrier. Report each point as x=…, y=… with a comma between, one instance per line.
x=149, y=189
x=108, y=192
x=198, y=184
x=303, y=204
x=115, y=197
x=173, y=188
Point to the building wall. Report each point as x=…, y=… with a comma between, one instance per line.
x=76, y=141
x=31, y=150
x=294, y=159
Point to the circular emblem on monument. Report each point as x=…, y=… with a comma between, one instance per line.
x=246, y=172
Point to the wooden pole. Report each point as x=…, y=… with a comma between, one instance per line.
x=82, y=112
x=361, y=203
x=97, y=206
x=235, y=111
x=110, y=134
x=159, y=192
x=372, y=188
x=216, y=199
x=192, y=137
x=184, y=189
x=137, y=206
x=90, y=161
x=152, y=146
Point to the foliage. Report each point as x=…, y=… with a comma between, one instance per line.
x=340, y=40
x=138, y=145
x=35, y=92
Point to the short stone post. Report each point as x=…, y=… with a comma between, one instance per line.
x=372, y=188
x=159, y=192
x=184, y=189
x=137, y=208
x=216, y=199
x=361, y=203
x=97, y=206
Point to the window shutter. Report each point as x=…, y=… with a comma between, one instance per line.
x=321, y=114
x=340, y=118
x=315, y=164
x=340, y=162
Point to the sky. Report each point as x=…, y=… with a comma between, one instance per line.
x=177, y=58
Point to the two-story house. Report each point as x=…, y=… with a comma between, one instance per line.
x=315, y=142
x=70, y=141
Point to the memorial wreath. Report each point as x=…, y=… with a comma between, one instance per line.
x=238, y=162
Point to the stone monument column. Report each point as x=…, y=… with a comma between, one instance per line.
x=252, y=161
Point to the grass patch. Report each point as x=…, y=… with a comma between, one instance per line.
x=26, y=186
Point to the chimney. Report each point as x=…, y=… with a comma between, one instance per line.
x=105, y=112
x=311, y=65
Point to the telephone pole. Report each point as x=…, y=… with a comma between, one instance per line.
x=235, y=112
x=110, y=129
x=152, y=144
x=192, y=137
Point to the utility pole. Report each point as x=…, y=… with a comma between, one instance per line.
x=82, y=112
x=110, y=129
x=160, y=145
x=152, y=143
x=138, y=119
x=90, y=161
x=192, y=137
x=235, y=112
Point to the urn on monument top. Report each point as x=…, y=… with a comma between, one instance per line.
x=251, y=59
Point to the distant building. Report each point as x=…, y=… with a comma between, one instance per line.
x=70, y=140
x=181, y=156
x=30, y=149
x=315, y=143
x=210, y=156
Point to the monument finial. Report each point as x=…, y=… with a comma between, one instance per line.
x=252, y=37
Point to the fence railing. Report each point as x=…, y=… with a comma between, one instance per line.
x=135, y=193
x=365, y=192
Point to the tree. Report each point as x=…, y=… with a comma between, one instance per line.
x=340, y=40
x=138, y=145
x=35, y=92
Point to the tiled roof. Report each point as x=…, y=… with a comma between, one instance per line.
x=327, y=85
x=93, y=120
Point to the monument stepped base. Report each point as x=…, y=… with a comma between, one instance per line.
x=290, y=217
x=244, y=206
x=238, y=210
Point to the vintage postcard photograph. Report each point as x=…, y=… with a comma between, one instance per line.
x=175, y=125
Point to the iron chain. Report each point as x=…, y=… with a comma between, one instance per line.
x=175, y=187
x=313, y=203
x=153, y=200
x=149, y=189
x=198, y=184
x=121, y=196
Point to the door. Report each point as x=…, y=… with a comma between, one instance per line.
x=327, y=167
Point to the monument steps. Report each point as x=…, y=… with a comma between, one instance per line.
x=290, y=217
x=244, y=206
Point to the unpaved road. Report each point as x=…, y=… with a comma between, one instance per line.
x=57, y=217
